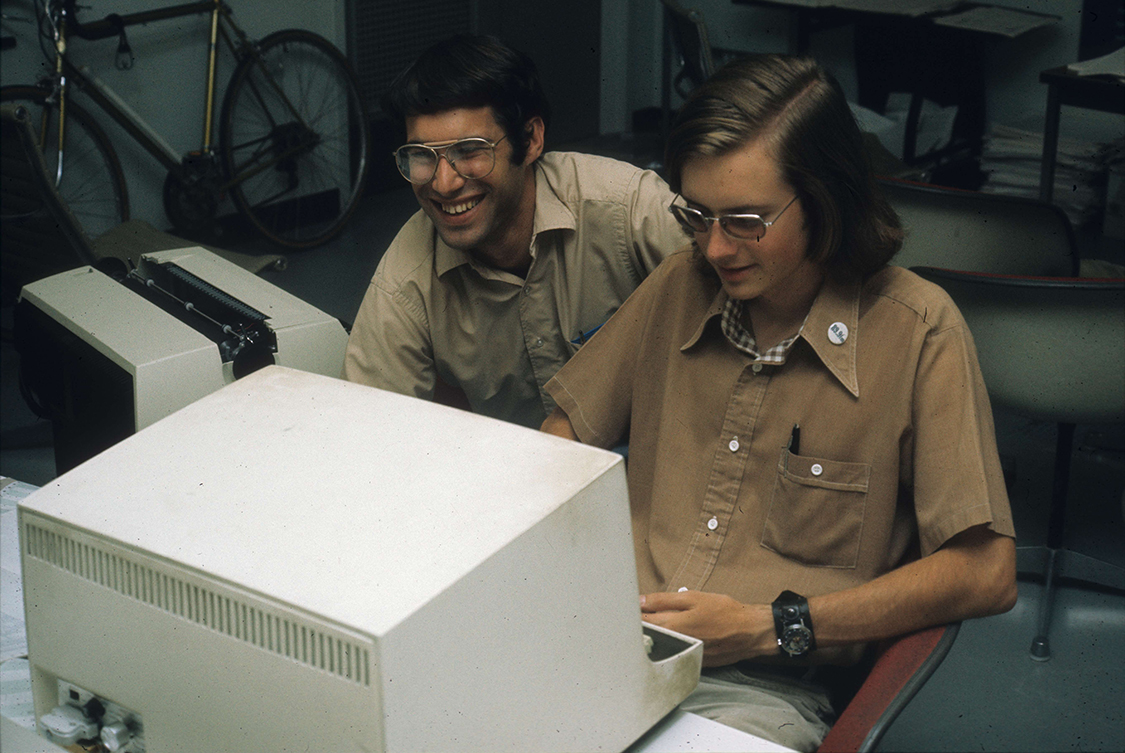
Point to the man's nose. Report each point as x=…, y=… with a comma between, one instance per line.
x=717, y=245
x=446, y=180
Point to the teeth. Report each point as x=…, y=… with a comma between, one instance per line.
x=459, y=208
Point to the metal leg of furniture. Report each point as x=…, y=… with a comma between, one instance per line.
x=1050, y=145
x=1041, y=644
x=1064, y=445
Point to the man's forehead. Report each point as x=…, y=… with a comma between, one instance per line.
x=745, y=179
x=451, y=125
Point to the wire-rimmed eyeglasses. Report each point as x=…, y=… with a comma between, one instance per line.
x=741, y=226
x=471, y=158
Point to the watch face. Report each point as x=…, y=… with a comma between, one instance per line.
x=795, y=640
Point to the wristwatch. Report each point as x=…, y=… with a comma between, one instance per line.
x=793, y=623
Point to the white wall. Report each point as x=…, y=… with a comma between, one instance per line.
x=166, y=84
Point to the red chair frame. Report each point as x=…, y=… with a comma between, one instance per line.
x=903, y=666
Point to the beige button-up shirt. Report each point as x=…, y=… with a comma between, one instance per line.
x=897, y=447
x=600, y=227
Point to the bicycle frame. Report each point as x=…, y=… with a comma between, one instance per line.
x=222, y=25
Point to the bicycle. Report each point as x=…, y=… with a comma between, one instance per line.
x=293, y=145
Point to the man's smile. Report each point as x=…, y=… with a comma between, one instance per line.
x=457, y=208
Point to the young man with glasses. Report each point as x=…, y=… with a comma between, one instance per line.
x=812, y=459
x=516, y=257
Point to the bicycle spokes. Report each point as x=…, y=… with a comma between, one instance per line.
x=294, y=138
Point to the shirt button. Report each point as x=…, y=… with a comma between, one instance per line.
x=681, y=589
x=756, y=368
x=817, y=469
x=713, y=523
x=733, y=445
x=539, y=342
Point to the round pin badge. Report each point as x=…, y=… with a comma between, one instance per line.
x=837, y=333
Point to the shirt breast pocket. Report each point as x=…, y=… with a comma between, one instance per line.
x=816, y=511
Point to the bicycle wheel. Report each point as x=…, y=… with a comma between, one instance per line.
x=294, y=139
x=92, y=183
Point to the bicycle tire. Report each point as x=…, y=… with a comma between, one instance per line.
x=304, y=198
x=93, y=183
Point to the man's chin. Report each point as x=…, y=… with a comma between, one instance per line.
x=462, y=239
x=460, y=236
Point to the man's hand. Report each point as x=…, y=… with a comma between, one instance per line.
x=558, y=423
x=730, y=630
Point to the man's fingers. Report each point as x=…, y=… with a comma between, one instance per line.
x=663, y=602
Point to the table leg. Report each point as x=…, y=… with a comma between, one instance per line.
x=1050, y=145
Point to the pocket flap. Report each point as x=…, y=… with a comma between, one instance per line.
x=826, y=474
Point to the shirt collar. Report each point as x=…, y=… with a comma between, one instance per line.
x=550, y=214
x=715, y=309
x=837, y=303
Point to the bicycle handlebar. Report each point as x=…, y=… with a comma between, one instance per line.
x=111, y=25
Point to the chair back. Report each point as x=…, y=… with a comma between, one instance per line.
x=691, y=44
x=38, y=234
x=1050, y=348
x=981, y=232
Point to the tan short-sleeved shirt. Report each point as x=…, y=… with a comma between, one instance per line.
x=897, y=446
x=600, y=227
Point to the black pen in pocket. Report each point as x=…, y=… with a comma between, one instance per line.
x=584, y=336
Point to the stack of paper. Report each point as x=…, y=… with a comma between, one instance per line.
x=1012, y=160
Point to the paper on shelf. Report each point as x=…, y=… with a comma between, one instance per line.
x=1006, y=22
x=910, y=8
x=1112, y=64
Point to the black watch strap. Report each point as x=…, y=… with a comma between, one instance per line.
x=793, y=623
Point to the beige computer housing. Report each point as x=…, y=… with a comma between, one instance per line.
x=170, y=363
x=298, y=563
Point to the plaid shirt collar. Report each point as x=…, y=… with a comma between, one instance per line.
x=740, y=337
x=837, y=301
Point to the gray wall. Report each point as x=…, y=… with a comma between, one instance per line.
x=565, y=41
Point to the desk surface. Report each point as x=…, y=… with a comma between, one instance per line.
x=1091, y=92
x=17, y=739
x=13, y=637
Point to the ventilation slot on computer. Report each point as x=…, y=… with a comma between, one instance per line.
x=231, y=615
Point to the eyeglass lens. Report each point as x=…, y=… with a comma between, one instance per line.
x=471, y=158
x=745, y=226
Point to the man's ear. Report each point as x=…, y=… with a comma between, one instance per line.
x=535, y=132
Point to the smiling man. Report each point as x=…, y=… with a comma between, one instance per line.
x=516, y=257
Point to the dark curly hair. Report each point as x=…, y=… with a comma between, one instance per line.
x=470, y=70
